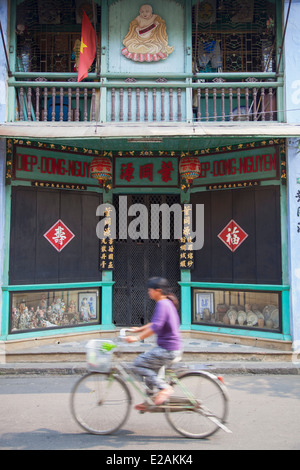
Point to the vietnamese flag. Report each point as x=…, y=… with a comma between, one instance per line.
x=87, y=48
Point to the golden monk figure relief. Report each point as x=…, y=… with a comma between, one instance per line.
x=147, y=39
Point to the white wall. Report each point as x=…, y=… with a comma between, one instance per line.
x=292, y=61
x=292, y=106
x=3, y=69
x=293, y=173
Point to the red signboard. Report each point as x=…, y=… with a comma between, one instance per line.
x=59, y=235
x=232, y=235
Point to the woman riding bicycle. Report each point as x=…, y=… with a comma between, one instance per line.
x=165, y=324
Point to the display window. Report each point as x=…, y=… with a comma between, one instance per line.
x=238, y=309
x=53, y=309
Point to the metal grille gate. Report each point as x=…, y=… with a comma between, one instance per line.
x=138, y=260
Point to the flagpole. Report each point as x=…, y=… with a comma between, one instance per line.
x=96, y=42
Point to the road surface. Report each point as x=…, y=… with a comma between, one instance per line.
x=35, y=415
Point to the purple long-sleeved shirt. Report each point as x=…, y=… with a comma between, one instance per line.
x=165, y=323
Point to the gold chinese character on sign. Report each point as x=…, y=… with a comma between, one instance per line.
x=107, y=253
x=186, y=242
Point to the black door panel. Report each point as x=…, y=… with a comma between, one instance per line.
x=32, y=258
x=258, y=259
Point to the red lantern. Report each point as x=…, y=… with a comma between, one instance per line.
x=189, y=169
x=101, y=169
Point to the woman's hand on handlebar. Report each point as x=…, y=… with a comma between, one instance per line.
x=145, y=329
x=132, y=339
x=129, y=339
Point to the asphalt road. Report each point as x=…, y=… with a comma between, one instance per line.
x=35, y=415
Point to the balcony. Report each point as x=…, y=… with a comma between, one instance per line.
x=185, y=98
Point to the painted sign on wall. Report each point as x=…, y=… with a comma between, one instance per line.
x=44, y=165
x=146, y=171
x=245, y=165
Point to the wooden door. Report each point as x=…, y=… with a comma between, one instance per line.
x=255, y=261
x=32, y=258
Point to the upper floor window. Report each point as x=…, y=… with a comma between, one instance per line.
x=48, y=34
x=227, y=35
x=234, y=35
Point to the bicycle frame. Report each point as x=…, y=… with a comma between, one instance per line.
x=188, y=401
x=129, y=377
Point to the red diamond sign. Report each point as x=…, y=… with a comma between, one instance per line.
x=59, y=235
x=233, y=235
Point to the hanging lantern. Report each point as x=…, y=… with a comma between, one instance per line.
x=189, y=169
x=101, y=169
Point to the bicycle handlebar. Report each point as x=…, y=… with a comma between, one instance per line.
x=123, y=332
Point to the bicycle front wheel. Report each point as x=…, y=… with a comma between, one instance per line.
x=100, y=403
x=201, y=400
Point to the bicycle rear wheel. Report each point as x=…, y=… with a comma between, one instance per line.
x=100, y=403
x=194, y=418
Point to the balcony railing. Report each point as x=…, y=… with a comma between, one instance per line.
x=115, y=98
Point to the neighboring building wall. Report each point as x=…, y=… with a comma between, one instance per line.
x=3, y=97
x=292, y=106
x=2, y=211
x=3, y=69
x=293, y=174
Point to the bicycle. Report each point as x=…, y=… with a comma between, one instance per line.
x=101, y=399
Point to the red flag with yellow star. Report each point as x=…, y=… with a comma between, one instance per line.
x=87, y=47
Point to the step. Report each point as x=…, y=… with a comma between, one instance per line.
x=72, y=353
x=198, y=347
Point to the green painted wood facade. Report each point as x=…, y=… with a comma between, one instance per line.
x=113, y=28
x=106, y=280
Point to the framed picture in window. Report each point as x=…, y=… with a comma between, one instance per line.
x=204, y=301
x=87, y=306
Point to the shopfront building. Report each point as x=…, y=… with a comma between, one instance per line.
x=63, y=277
x=211, y=102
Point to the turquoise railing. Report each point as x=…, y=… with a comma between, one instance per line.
x=207, y=97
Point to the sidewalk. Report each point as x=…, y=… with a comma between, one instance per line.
x=214, y=356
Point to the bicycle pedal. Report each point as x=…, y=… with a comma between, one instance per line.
x=142, y=407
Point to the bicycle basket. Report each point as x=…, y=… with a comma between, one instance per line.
x=99, y=354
